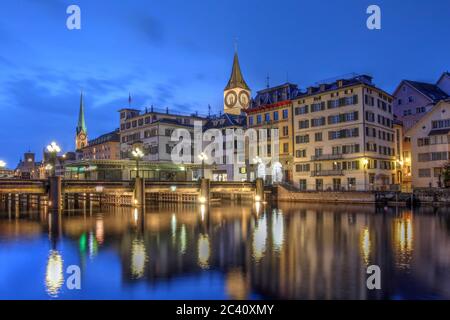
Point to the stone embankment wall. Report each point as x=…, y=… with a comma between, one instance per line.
x=436, y=196
x=282, y=194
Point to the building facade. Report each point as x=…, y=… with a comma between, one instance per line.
x=105, y=147
x=270, y=110
x=413, y=99
x=430, y=145
x=28, y=167
x=153, y=131
x=234, y=167
x=344, y=137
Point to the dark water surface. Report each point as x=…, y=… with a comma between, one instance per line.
x=293, y=251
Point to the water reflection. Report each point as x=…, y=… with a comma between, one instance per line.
x=138, y=258
x=294, y=251
x=259, y=238
x=365, y=245
x=403, y=235
x=54, y=278
x=204, y=251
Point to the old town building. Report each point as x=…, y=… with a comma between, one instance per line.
x=344, y=136
x=430, y=141
x=106, y=147
x=271, y=111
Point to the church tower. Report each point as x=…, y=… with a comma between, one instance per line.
x=236, y=95
x=81, y=131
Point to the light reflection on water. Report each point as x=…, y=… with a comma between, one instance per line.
x=294, y=251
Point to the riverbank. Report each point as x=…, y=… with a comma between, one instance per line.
x=429, y=196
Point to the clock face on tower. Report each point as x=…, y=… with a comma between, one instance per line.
x=82, y=136
x=244, y=98
x=231, y=99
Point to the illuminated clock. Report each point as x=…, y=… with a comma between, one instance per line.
x=82, y=136
x=244, y=98
x=231, y=99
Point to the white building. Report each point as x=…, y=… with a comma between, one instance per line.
x=430, y=145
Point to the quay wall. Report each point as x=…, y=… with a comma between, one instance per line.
x=283, y=194
x=433, y=196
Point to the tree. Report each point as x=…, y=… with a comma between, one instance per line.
x=446, y=175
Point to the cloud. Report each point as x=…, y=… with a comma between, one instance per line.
x=148, y=27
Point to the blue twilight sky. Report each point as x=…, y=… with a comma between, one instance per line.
x=178, y=54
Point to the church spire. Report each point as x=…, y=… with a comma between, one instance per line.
x=236, y=79
x=81, y=122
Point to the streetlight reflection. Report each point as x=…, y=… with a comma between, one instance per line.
x=54, y=277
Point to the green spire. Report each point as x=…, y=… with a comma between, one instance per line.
x=236, y=79
x=81, y=122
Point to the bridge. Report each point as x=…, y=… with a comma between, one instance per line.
x=128, y=193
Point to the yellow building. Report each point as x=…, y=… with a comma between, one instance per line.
x=344, y=137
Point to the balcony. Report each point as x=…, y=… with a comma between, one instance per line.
x=327, y=173
x=327, y=157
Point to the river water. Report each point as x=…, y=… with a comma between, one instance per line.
x=173, y=251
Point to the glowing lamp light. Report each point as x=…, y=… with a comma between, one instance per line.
x=137, y=153
x=202, y=156
x=53, y=148
x=202, y=199
x=257, y=160
x=258, y=198
x=365, y=162
x=2, y=164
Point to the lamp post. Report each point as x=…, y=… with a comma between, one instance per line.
x=365, y=162
x=53, y=149
x=138, y=154
x=203, y=157
x=2, y=164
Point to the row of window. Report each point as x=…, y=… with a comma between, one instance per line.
x=426, y=173
x=319, y=186
x=332, y=135
x=433, y=140
x=370, y=117
x=439, y=124
x=148, y=120
x=408, y=112
x=382, y=135
x=433, y=156
x=387, y=151
x=131, y=138
x=344, y=133
x=330, y=104
x=348, y=165
x=336, y=150
x=269, y=116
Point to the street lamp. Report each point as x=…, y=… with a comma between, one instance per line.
x=203, y=157
x=138, y=154
x=365, y=162
x=2, y=164
x=53, y=149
